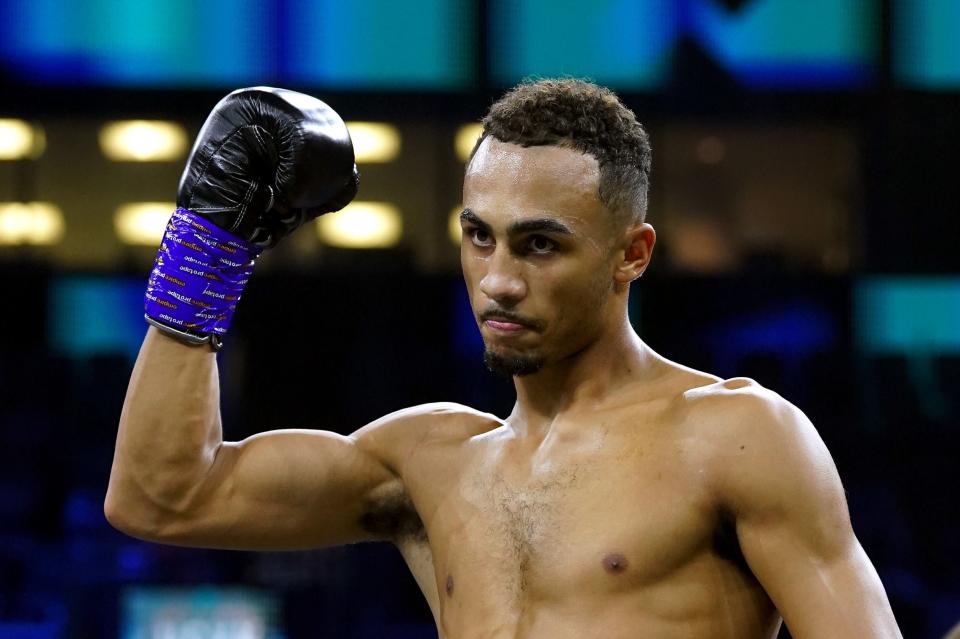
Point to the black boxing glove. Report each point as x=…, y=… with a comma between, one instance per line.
x=265, y=162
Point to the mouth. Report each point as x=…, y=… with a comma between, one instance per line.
x=505, y=323
x=504, y=327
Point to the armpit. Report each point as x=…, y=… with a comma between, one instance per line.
x=392, y=515
x=726, y=544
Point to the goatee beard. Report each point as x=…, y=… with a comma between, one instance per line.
x=512, y=365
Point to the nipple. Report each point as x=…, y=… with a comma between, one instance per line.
x=615, y=563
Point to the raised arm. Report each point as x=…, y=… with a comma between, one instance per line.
x=778, y=481
x=265, y=162
x=175, y=481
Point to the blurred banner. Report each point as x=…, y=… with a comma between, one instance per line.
x=191, y=613
x=636, y=45
x=167, y=43
x=925, y=44
x=641, y=45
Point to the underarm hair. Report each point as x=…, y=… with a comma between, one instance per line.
x=393, y=516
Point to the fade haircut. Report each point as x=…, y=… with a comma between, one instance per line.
x=587, y=118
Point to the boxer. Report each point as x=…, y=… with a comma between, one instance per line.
x=624, y=496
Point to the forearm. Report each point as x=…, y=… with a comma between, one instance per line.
x=169, y=434
x=266, y=161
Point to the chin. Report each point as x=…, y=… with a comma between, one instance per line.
x=513, y=363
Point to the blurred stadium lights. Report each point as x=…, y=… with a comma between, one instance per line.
x=465, y=140
x=362, y=225
x=30, y=223
x=143, y=141
x=374, y=141
x=142, y=223
x=20, y=140
x=453, y=225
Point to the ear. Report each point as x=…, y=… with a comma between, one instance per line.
x=636, y=251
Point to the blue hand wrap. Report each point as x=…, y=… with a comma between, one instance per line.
x=197, y=279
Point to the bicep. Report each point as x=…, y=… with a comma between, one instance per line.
x=815, y=571
x=794, y=530
x=285, y=489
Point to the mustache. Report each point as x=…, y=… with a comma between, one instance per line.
x=510, y=316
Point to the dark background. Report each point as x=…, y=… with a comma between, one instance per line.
x=334, y=338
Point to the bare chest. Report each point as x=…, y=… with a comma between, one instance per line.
x=598, y=516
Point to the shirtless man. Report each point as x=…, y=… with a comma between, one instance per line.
x=624, y=496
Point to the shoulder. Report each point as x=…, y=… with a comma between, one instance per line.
x=440, y=419
x=394, y=437
x=739, y=407
x=761, y=446
x=720, y=411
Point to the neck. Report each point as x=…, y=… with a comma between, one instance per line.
x=581, y=380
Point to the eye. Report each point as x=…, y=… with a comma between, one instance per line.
x=479, y=237
x=540, y=244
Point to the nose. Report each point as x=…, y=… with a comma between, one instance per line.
x=502, y=282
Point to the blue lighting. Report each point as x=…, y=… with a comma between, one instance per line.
x=434, y=44
x=426, y=44
x=908, y=315
x=615, y=42
x=768, y=43
x=926, y=51
x=91, y=315
x=630, y=45
x=199, y=612
x=789, y=331
x=466, y=340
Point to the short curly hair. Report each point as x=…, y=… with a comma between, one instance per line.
x=588, y=118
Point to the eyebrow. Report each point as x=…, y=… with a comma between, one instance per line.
x=542, y=224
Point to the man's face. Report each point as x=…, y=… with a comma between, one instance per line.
x=536, y=253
